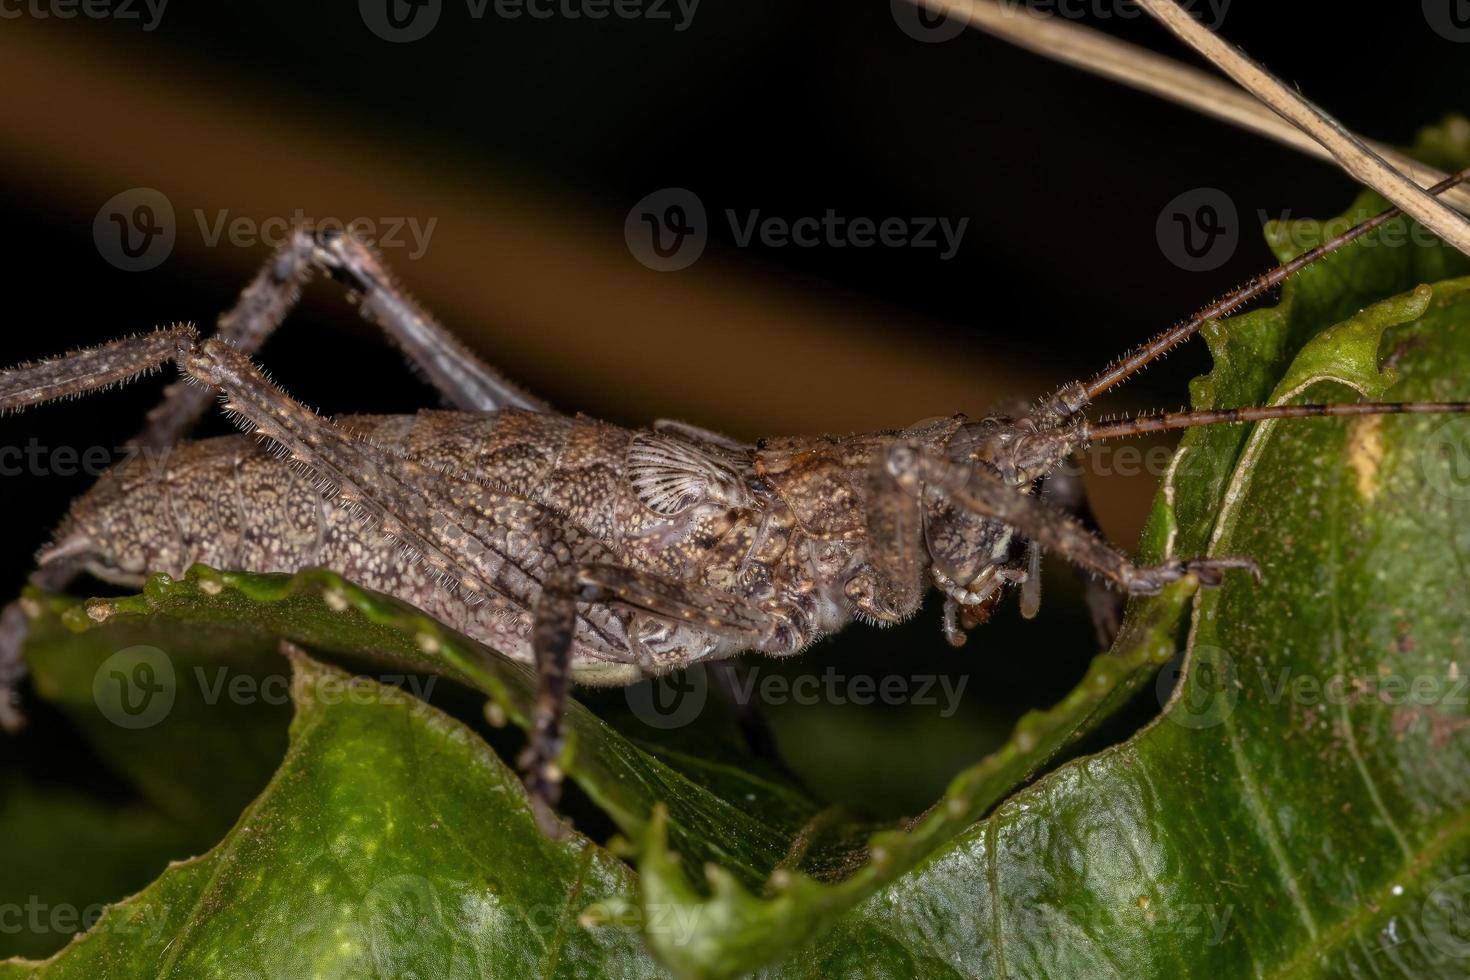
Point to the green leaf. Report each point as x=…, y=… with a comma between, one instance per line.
x=201, y=756
x=391, y=842
x=1254, y=354
x=66, y=856
x=1264, y=826
x=725, y=835
x=741, y=931
x=323, y=611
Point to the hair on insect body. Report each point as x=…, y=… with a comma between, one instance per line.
x=599, y=554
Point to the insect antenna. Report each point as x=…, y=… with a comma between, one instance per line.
x=1170, y=421
x=1145, y=354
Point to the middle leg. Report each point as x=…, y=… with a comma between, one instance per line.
x=704, y=609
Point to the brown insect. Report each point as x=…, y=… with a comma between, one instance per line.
x=597, y=553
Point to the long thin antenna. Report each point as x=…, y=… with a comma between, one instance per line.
x=1147, y=353
x=1231, y=416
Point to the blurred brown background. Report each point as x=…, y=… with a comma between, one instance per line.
x=521, y=144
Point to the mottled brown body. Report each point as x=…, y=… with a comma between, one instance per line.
x=782, y=525
x=594, y=552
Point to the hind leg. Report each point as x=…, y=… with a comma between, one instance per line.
x=15, y=623
x=376, y=486
x=114, y=363
x=462, y=378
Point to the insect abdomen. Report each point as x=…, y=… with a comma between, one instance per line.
x=226, y=502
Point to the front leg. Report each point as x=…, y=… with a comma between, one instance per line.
x=982, y=492
x=707, y=610
x=1068, y=492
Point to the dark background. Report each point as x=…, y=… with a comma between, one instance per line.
x=528, y=141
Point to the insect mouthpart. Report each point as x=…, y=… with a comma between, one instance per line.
x=1017, y=449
